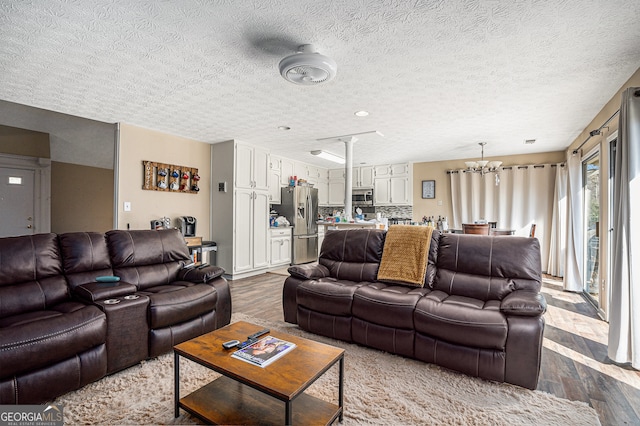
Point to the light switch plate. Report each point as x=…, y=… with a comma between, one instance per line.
x=127, y=206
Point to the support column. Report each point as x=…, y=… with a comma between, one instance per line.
x=348, y=176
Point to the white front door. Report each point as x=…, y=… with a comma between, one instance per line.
x=17, y=194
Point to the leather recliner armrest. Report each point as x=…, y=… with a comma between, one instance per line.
x=200, y=275
x=92, y=292
x=524, y=303
x=309, y=272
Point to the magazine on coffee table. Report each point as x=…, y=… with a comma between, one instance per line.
x=264, y=351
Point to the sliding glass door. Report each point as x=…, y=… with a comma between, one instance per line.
x=591, y=220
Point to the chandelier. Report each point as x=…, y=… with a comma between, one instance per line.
x=483, y=166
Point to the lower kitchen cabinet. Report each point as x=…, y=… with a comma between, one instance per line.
x=280, y=241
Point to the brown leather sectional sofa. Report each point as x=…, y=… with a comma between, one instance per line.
x=479, y=312
x=60, y=329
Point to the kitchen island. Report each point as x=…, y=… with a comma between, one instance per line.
x=349, y=225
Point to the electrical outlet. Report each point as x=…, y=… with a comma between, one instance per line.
x=222, y=186
x=127, y=206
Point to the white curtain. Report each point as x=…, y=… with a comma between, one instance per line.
x=624, y=317
x=523, y=197
x=558, y=237
x=573, y=260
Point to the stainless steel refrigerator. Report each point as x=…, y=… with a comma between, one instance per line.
x=299, y=205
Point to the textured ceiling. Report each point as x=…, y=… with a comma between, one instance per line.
x=436, y=76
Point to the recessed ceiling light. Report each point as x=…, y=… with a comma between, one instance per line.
x=284, y=128
x=361, y=113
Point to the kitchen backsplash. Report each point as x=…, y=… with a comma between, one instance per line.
x=395, y=211
x=386, y=211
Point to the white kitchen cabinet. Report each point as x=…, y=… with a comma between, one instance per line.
x=240, y=215
x=275, y=162
x=362, y=177
x=274, y=187
x=383, y=170
x=251, y=167
x=300, y=170
x=402, y=169
x=287, y=170
x=382, y=192
x=280, y=242
x=336, y=174
x=393, y=185
x=313, y=174
x=400, y=190
x=243, y=239
x=250, y=244
x=323, y=192
x=335, y=187
x=336, y=192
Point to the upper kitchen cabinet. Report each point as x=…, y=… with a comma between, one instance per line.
x=393, y=185
x=336, y=192
x=283, y=168
x=251, y=167
x=335, y=187
x=300, y=170
x=274, y=187
x=362, y=177
x=402, y=169
x=287, y=169
x=383, y=170
x=388, y=170
x=336, y=174
x=275, y=162
x=313, y=174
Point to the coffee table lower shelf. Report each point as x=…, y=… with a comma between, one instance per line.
x=226, y=401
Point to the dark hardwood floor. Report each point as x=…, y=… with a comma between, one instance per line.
x=575, y=365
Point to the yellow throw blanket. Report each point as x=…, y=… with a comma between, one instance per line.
x=405, y=254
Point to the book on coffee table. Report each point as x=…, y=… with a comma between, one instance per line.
x=264, y=351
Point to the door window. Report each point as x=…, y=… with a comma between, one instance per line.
x=591, y=220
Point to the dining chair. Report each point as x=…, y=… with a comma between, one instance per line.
x=475, y=228
x=501, y=231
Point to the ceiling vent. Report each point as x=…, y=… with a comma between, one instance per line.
x=307, y=67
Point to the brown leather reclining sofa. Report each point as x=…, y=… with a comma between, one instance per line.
x=60, y=329
x=479, y=311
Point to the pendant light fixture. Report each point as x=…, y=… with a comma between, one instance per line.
x=483, y=166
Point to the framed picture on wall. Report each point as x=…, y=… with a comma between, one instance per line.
x=428, y=189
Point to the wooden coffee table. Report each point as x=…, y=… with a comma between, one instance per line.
x=248, y=394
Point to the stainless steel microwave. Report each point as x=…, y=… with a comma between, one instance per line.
x=362, y=197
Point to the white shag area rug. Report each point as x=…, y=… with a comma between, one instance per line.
x=380, y=388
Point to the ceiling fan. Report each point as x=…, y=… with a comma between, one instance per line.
x=308, y=67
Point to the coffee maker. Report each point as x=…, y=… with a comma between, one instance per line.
x=187, y=225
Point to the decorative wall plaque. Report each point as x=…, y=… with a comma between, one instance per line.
x=428, y=189
x=170, y=177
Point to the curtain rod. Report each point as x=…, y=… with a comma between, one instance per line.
x=595, y=132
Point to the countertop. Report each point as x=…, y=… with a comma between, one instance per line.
x=349, y=224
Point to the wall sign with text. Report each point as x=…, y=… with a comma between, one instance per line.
x=428, y=189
